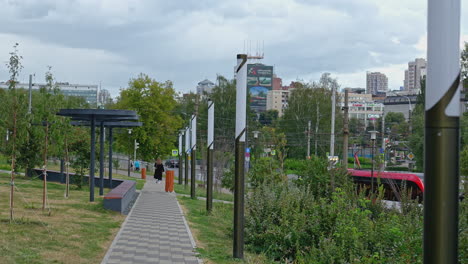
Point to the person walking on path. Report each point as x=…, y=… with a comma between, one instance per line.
x=158, y=170
x=137, y=165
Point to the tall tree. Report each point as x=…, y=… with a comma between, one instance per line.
x=310, y=102
x=155, y=103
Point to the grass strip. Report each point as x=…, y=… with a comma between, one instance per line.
x=201, y=192
x=213, y=232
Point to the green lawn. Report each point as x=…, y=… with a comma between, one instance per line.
x=73, y=230
x=201, y=192
x=213, y=233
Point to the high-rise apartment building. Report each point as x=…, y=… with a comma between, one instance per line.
x=416, y=70
x=376, y=83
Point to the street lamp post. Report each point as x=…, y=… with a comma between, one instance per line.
x=128, y=172
x=409, y=113
x=373, y=137
x=255, y=135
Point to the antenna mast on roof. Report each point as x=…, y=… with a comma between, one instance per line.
x=259, y=54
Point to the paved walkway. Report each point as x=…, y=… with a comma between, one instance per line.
x=155, y=231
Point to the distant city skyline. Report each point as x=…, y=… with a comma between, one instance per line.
x=109, y=42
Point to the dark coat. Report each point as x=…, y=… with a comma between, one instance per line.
x=158, y=171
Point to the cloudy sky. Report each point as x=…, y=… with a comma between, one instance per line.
x=186, y=41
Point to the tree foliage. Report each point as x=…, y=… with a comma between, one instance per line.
x=154, y=102
x=311, y=102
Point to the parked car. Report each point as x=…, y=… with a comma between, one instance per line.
x=172, y=163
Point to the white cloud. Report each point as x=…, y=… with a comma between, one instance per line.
x=187, y=41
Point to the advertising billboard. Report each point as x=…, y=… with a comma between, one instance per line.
x=259, y=82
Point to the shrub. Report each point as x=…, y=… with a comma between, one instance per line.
x=265, y=170
x=304, y=221
x=390, y=168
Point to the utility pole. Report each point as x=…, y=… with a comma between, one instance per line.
x=383, y=142
x=241, y=120
x=30, y=94
x=136, y=145
x=308, y=140
x=194, y=156
x=442, y=133
x=316, y=128
x=332, y=137
x=210, y=151
x=345, y=131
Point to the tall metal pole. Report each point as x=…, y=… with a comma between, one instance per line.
x=332, y=136
x=372, y=168
x=442, y=134
x=345, y=131
x=93, y=157
x=383, y=142
x=332, y=139
x=101, y=160
x=181, y=134
x=210, y=150
x=134, y=152
x=30, y=94
x=241, y=120
x=316, y=128
x=193, y=168
x=308, y=140
x=187, y=150
x=110, y=157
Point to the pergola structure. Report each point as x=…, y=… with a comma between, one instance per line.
x=110, y=126
x=101, y=116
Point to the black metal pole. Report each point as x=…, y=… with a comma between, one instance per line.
x=239, y=200
x=193, y=178
x=186, y=169
x=209, y=187
x=241, y=125
x=442, y=133
x=180, y=169
x=101, y=160
x=110, y=158
x=93, y=157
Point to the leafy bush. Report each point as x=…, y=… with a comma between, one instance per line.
x=294, y=165
x=304, y=221
x=390, y=168
x=265, y=170
x=228, y=178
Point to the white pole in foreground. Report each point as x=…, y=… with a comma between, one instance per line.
x=210, y=151
x=442, y=133
x=193, y=179
x=181, y=134
x=241, y=120
x=187, y=152
x=193, y=168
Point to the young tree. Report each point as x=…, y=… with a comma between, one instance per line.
x=14, y=67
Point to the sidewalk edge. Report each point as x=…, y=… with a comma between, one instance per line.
x=116, y=238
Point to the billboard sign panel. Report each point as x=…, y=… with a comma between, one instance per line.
x=259, y=82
